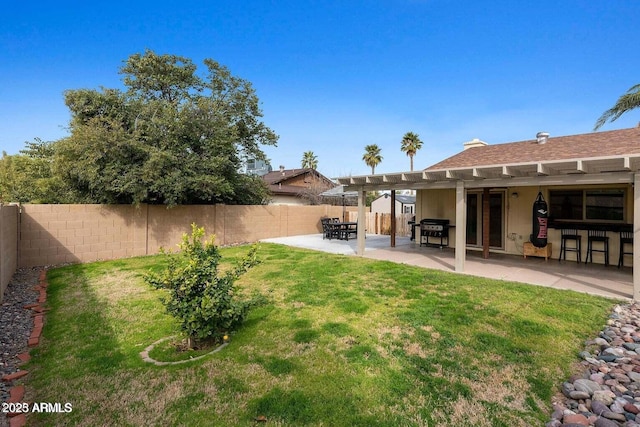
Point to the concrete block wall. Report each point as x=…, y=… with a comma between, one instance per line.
x=54, y=234
x=9, y=227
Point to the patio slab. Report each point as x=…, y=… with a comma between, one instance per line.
x=594, y=279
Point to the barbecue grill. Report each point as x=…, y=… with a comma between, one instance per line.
x=437, y=229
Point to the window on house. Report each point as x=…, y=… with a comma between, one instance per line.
x=566, y=204
x=605, y=204
x=579, y=205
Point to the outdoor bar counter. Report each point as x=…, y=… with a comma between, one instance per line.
x=615, y=227
x=597, y=233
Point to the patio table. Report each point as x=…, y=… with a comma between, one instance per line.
x=344, y=229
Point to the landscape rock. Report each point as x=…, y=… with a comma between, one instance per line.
x=586, y=386
x=611, y=377
x=13, y=340
x=578, y=419
x=603, y=422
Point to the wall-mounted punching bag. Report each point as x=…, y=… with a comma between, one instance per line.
x=540, y=215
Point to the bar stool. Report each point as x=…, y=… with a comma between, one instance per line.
x=570, y=234
x=626, y=237
x=597, y=236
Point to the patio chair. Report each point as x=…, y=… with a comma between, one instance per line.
x=597, y=236
x=568, y=235
x=327, y=230
x=626, y=238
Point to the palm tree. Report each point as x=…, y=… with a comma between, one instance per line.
x=410, y=144
x=309, y=160
x=626, y=102
x=372, y=157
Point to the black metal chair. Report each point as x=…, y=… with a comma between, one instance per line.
x=567, y=235
x=597, y=236
x=327, y=229
x=626, y=238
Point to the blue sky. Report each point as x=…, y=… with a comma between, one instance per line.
x=334, y=76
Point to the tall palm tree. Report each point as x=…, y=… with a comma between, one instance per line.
x=372, y=157
x=410, y=144
x=309, y=160
x=626, y=102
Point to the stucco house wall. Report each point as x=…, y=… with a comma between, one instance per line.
x=518, y=205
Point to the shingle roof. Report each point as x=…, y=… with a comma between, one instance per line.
x=406, y=200
x=280, y=176
x=589, y=145
x=278, y=181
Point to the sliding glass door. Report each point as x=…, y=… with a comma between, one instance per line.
x=475, y=219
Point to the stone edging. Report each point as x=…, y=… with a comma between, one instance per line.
x=17, y=391
x=145, y=353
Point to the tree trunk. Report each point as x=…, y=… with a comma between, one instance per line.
x=191, y=342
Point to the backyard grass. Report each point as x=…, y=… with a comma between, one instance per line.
x=343, y=341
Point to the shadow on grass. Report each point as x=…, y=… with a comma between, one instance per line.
x=76, y=326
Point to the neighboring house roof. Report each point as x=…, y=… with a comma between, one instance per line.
x=281, y=175
x=405, y=200
x=294, y=181
x=588, y=145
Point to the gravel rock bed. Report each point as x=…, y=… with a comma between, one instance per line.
x=16, y=322
x=607, y=392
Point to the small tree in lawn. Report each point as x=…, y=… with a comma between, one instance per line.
x=205, y=302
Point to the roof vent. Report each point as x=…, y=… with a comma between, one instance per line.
x=474, y=143
x=542, y=137
x=282, y=169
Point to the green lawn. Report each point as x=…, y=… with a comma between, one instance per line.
x=343, y=341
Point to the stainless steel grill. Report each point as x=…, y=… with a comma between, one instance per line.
x=437, y=229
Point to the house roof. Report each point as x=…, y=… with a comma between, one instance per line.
x=405, y=200
x=600, y=157
x=279, y=176
x=282, y=181
x=589, y=145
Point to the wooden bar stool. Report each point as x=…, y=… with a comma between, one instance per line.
x=626, y=238
x=597, y=236
x=567, y=235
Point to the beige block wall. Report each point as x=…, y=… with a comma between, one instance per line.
x=8, y=245
x=54, y=234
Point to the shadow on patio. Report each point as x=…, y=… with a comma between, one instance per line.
x=592, y=278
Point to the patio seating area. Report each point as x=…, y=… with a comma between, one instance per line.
x=594, y=279
x=333, y=228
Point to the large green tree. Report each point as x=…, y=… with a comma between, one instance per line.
x=628, y=101
x=27, y=177
x=410, y=145
x=372, y=157
x=172, y=137
x=309, y=160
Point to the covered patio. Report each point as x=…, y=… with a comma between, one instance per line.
x=596, y=168
x=595, y=279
